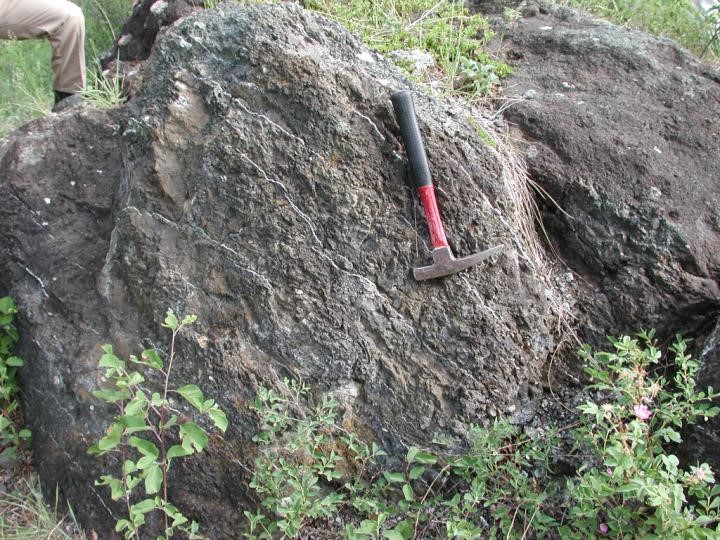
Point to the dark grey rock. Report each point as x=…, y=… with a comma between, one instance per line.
x=702, y=441
x=622, y=134
x=257, y=180
x=148, y=18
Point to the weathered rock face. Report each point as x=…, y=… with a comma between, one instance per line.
x=703, y=441
x=147, y=19
x=59, y=177
x=622, y=132
x=257, y=180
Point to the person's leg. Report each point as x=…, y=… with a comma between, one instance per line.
x=69, y=51
x=59, y=21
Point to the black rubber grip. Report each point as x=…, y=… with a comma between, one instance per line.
x=405, y=113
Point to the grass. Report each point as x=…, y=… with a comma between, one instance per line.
x=25, y=74
x=454, y=38
x=25, y=82
x=25, y=514
x=102, y=91
x=675, y=19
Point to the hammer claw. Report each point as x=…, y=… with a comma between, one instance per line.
x=445, y=263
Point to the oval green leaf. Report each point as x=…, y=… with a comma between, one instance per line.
x=193, y=435
x=219, y=419
x=153, y=480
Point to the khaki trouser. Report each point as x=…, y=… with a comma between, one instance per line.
x=59, y=21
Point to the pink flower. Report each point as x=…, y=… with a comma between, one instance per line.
x=642, y=412
x=699, y=473
x=603, y=528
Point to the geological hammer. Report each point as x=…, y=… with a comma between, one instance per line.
x=444, y=262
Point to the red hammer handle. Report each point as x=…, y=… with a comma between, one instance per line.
x=432, y=215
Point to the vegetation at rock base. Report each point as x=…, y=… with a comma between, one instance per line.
x=11, y=437
x=311, y=470
x=314, y=473
x=24, y=513
x=149, y=431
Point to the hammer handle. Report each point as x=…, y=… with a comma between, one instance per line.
x=405, y=113
x=432, y=216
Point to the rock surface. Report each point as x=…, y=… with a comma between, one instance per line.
x=147, y=19
x=257, y=180
x=621, y=130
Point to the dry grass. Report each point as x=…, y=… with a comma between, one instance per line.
x=523, y=221
x=26, y=515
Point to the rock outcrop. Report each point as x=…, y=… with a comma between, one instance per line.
x=257, y=180
x=621, y=130
x=620, y=133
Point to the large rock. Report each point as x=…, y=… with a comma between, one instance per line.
x=621, y=130
x=620, y=133
x=257, y=180
x=147, y=19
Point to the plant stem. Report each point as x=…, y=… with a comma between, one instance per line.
x=123, y=455
x=171, y=357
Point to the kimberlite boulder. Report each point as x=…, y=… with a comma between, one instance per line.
x=258, y=180
x=620, y=132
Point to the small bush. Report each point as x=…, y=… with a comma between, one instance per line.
x=638, y=486
x=311, y=471
x=10, y=435
x=149, y=432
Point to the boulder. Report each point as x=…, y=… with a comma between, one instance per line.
x=257, y=179
x=619, y=132
x=147, y=19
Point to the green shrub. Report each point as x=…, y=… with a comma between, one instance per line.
x=311, y=470
x=639, y=487
x=147, y=459
x=10, y=435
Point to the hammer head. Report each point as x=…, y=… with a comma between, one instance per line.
x=445, y=263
